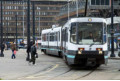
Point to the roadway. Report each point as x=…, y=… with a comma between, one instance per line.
x=53, y=68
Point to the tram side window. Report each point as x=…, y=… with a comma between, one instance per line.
x=51, y=36
x=104, y=36
x=44, y=37
x=48, y=37
x=58, y=36
x=55, y=36
x=73, y=33
x=63, y=38
x=66, y=33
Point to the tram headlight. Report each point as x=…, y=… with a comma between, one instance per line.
x=80, y=50
x=100, y=52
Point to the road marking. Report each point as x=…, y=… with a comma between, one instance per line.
x=53, y=67
x=33, y=76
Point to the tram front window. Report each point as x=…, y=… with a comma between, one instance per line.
x=88, y=33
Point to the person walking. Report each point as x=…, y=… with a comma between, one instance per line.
x=33, y=53
x=2, y=49
x=13, y=48
x=28, y=51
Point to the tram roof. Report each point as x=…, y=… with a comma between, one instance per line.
x=87, y=19
x=115, y=20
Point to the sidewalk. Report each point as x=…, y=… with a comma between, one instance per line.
x=116, y=55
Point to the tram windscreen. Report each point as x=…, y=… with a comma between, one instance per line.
x=88, y=33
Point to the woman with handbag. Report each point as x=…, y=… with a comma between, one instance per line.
x=13, y=48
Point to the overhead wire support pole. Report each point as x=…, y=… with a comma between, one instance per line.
x=68, y=9
x=77, y=8
x=39, y=23
x=7, y=35
x=23, y=20
x=1, y=55
x=86, y=5
x=33, y=21
x=77, y=16
x=28, y=23
x=112, y=31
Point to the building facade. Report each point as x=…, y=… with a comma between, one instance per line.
x=45, y=12
x=95, y=8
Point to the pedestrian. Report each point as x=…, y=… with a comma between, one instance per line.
x=2, y=49
x=13, y=48
x=28, y=51
x=33, y=53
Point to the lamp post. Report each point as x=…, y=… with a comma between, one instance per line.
x=7, y=34
x=39, y=23
x=23, y=19
x=16, y=32
x=68, y=10
x=1, y=55
x=112, y=31
x=86, y=8
x=33, y=21
x=28, y=29
x=77, y=8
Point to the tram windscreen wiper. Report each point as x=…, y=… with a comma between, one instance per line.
x=92, y=44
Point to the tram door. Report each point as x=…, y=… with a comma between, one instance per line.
x=64, y=39
x=48, y=37
x=57, y=36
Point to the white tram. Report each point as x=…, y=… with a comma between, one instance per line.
x=51, y=41
x=82, y=41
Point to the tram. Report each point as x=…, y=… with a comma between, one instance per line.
x=116, y=25
x=51, y=41
x=79, y=41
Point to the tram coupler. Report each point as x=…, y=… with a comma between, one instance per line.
x=91, y=62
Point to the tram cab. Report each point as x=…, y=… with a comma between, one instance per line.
x=85, y=41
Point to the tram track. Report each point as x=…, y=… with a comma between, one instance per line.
x=72, y=74
x=35, y=74
x=86, y=74
x=61, y=74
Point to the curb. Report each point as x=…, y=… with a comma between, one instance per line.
x=114, y=58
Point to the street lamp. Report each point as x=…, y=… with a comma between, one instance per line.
x=112, y=31
x=1, y=55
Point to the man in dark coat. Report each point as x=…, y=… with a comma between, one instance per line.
x=28, y=51
x=2, y=49
x=33, y=53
